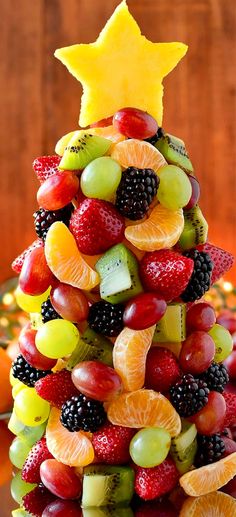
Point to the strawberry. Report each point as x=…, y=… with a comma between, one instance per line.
x=19, y=261
x=56, y=388
x=36, y=501
x=46, y=166
x=222, y=260
x=36, y=456
x=166, y=272
x=111, y=444
x=96, y=226
x=162, y=369
x=156, y=481
x=230, y=416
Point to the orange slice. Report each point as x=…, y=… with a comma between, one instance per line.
x=74, y=449
x=144, y=408
x=129, y=356
x=210, y=477
x=161, y=230
x=216, y=504
x=65, y=260
x=139, y=154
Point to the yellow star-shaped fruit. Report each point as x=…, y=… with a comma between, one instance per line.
x=121, y=69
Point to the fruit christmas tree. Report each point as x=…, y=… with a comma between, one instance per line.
x=119, y=387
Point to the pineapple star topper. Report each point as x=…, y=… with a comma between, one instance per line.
x=122, y=68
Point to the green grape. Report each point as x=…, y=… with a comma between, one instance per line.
x=28, y=434
x=20, y=512
x=101, y=178
x=175, y=189
x=12, y=379
x=149, y=447
x=57, y=338
x=30, y=408
x=19, y=488
x=36, y=320
x=18, y=452
x=17, y=388
x=223, y=342
x=30, y=303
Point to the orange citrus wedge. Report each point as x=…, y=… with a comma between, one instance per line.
x=144, y=408
x=210, y=477
x=129, y=356
x=74, y=449
x=216, y=504
x=138, y=153
x=65, y=260
x=161, y=230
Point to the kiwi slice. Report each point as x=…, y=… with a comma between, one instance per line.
x=108, y=511
x=91, y=347
x=195, y=229
x=184, y=447
x=118, y=269
x=174, y=151
x=82, y=148
x=107, y=486
x=172, y=326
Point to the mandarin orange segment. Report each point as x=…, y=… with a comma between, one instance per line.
x=65, y=260
x=137, y=153
x=144, y=408
x=210, y=477
x=129, y=356
x=109, y=132
x=216, y=504
x=161, y=230
x=74, y=449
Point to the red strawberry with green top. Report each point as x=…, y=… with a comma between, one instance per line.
x=31, y=468
x=36, y=501
x=166, y=272
x=111, y=444
x=154, y=482
x=56, y=388
x=96, y=226
x=222, y=260
x=46, y=166
x=230, y=415
x=19, y=261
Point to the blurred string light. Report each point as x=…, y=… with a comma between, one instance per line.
x=222, y=295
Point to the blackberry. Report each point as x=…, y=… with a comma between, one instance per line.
x=189, y=395
x=137, y=189
x=82, y=413
x=106, y=318
x=154, y=138
x=44, y=218
x=26, y=373
x=216, y=377
x=48, y=312
x=200, y=280
x=210, y=449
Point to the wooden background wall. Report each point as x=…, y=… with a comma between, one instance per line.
x=40, y=100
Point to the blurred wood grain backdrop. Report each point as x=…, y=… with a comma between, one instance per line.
x=40, y=101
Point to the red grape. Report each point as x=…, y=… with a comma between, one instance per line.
x=70, y=302
x=96, y=380
x=62, y=508
x=201, y=316
x=230, y=363
x=195, y=192
x=230, y=488
x=35, y=276
x=60, y=479
x=58, y=190
x=210, y=419
x=103, y=123
x=29, y=351
x=228, y=320
x=143, y=311
x=197, y=352
x=230, y=445
x=135, y=123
